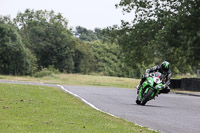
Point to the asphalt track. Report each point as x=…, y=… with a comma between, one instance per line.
x=169, y=113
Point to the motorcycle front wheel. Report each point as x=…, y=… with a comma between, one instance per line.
x=147, y=97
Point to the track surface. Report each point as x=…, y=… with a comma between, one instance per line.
x=169, y=113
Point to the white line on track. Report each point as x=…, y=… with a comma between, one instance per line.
x=85, y=101
x=91, y=105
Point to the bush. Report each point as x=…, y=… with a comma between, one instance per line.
x=46, y=72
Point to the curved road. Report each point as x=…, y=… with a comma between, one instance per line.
x=169, y=113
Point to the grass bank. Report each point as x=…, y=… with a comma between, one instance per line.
x=26, y=108
x=81, y=80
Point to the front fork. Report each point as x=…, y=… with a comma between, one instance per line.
x=141, y=91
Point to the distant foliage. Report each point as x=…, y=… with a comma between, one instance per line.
x=83, y=59
x=46, y=35
x=15, y=58
x=108, y=60
x=40, y=43
x=46, y=72
x=162, y=30
x=84, y=34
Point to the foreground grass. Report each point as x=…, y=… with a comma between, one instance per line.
x=77, y=79
x=26, y=108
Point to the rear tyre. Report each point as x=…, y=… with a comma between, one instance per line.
x=147, y=97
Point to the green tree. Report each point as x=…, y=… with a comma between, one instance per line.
x=108, y=60
x=84, y=34
x=84, y=59
x=138, y=43
x=46, y=35
x=14, y=57
x=176, y=26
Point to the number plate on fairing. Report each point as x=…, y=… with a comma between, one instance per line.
x=156, y=80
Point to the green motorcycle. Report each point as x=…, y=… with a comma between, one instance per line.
x=150, y=88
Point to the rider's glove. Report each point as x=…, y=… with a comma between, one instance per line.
x=146, y=75
x=147, y=71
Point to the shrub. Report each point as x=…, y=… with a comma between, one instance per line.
x=46, y=72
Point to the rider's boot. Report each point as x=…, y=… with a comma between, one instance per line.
x=139, y=85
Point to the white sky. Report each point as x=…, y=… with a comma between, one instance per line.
x=86, y=13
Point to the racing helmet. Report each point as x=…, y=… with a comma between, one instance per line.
x=165, y=67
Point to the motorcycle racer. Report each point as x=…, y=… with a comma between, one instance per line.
x=162, y=68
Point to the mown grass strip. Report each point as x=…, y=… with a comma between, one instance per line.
x=27, y=108
x=81, y=80
x=84, y=80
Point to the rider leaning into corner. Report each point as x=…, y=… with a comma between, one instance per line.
x=162, y=68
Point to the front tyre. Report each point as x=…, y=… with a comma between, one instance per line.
x=147, y=97
x=137, y=101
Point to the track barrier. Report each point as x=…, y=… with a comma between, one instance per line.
x=190, y=84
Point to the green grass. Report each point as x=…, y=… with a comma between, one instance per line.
x=26, y=108
x=85, y=80
x=185, y=76
x=81, y=80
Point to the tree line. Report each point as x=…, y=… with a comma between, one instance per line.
x=38, y=40
x=161, y=30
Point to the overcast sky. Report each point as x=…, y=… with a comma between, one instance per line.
x=86, y=13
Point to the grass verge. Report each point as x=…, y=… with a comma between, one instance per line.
x=85, y=80
x=81, y=80
x=27, y=108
